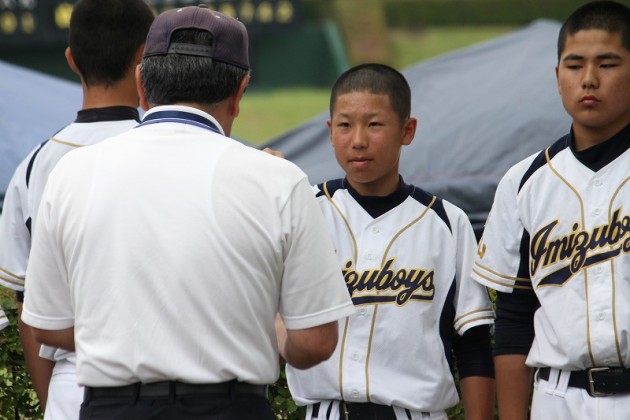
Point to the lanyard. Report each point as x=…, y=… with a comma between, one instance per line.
x=180, y=117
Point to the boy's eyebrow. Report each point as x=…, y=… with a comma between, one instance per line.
x=573, y=57
x=609, y=56
x=603, y=56
x=347, y=115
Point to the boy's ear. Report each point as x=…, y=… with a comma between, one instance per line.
x=558, y=82
x=409, y=130
x=329, y=124
x=71, y=63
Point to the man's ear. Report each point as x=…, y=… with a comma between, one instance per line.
x=235, y=106
x=140, y=87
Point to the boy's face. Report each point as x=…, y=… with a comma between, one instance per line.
x=367, y=135
x=594, y=81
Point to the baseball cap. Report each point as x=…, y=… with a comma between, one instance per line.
x=230, y=41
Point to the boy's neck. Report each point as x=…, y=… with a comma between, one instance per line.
x=380, y=188
x=122, y=93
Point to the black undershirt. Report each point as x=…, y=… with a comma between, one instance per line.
x=600, y=155
x=377, y=206
x=110, y=113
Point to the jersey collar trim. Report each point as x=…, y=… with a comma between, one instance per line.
x=182, y=115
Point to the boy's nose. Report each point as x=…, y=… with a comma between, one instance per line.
x=359, y=139
x=589, y=79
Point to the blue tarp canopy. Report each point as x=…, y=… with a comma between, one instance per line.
x=32, y=107
x=480, y=110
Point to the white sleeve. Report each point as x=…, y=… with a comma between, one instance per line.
x=472, y=301
x=48, y=305
x=499, y=252
x=15, y=238
x=4, y=321
x=313, y=289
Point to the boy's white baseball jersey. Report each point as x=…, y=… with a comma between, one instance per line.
x=564, y=230
x=19, y=210
x=408, y=274
x=25, y=188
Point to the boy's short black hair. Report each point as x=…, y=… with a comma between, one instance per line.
x=378, y=79
x=608, y=16
x=105, y=36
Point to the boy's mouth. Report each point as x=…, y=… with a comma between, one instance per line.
x=588, y=100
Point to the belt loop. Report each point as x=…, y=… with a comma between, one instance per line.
x=87, y=394
x=136, y=392
x=343, y=410
x=232, y=389
x=171, y=392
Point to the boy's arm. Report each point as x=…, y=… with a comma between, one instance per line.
x=478, y=397
x=514, y=382
x=39, y=369
x=514, y=334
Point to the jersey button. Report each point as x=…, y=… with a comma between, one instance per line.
x=375, y=230
x=369, y=256
x=598, y=182
x=597, y=211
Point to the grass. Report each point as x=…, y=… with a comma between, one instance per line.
x=267, y=114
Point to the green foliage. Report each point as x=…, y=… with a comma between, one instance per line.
x=283, y=405
x=17, y=398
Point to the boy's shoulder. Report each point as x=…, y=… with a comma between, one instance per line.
x=328, y=188
x=521, y=172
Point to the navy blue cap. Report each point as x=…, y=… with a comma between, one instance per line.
x=230, y=40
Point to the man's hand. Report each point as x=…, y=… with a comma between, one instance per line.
x=273, y=152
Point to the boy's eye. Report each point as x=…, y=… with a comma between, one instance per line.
x=573, y=66
x=343, y=124
x=374, y=123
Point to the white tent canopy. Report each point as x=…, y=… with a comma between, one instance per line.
x=32, y=107
x=480, y=110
